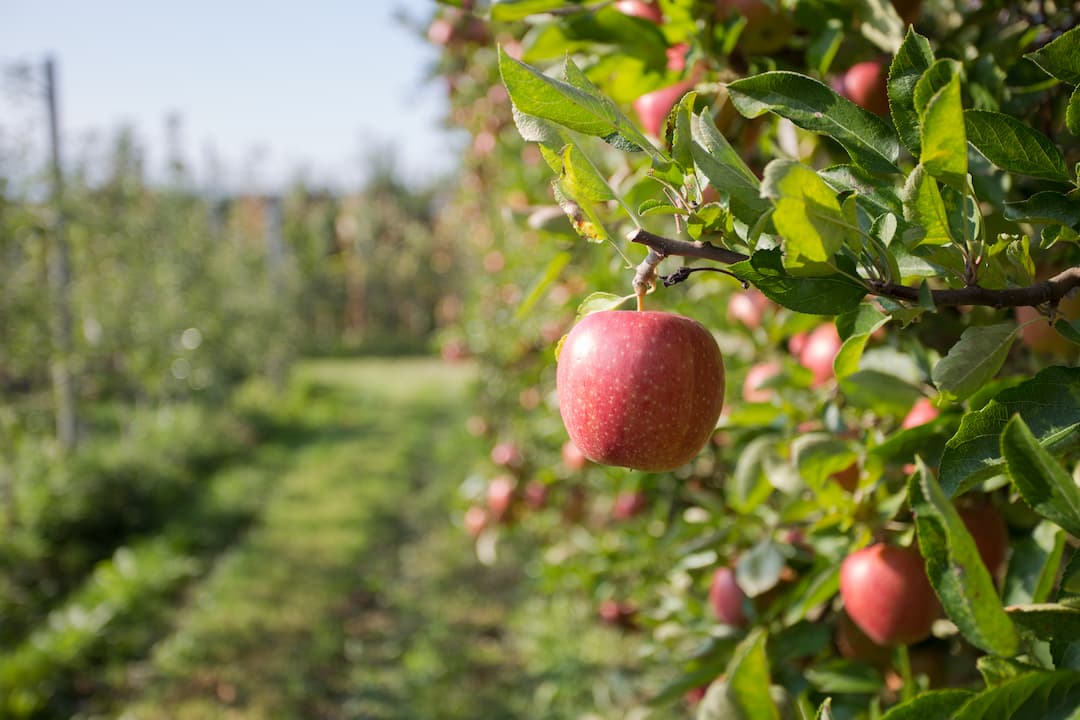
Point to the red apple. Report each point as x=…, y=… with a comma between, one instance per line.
x=639, y=8
x=922, y=412
x=640, y=389
x=766, y=30
x=476, y=520
x=727, y=599
x=507, y=454
x=864, y=84
x=988, y=529
x=676, y=57
x=818, y=352
x=747, y=307
x=536, y=494
x=618, y=613
x=652, y=108
x=887, y=594
x=500, y=496
x=758, y=374
x=629, y=504
x=572, y=457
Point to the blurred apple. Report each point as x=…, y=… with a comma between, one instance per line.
x=818, y=352
x=640, y=8
x=726, y=598
x=572, y=457
x=1040, y=335
x=676, y=57
x=507, y=454
x=535, y=494
x=476, y=520
x=500, y=497
x=652, y=108
x=629, y=504
x=887, y=594
x=755, y=377
x=748, y=307
x=864, y=84
x=922, y=412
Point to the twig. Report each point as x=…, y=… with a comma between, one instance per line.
x=1050, y=291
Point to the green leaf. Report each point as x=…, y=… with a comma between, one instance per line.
x=881, y=24
x=814, y=589
x=749, y=487
x=974, y=360
x=759, y=568
x=551, y=273
x=961, y=581
x=1047, y=207
x=510, y=10
x=856, y=327
x=574, y=104
x=924, y=208
x=1048, y=621
x=843, y=676
x=912, y=60
x=811, y=105
x=1072, y=113
x=824, y=711
x=1049, y=403
x=871, y=194
x=934, y=80
x=944, y=143
x=581, y=178
x=748, y=679
x=1033, y=565
x=581, y=213
x=1041, y=480
x=823, y=48
x=807, y=215
x=1013, y=146
x=997, y=670
x=1035, y=695
x=726, y=171
x=1061, y=57
x=825, y=295
x=599, y=302
x=934, y=704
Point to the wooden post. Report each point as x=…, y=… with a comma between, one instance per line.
x=60, y=284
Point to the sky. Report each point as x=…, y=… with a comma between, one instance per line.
x=269, y=88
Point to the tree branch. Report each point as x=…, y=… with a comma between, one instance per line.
x=1049, y=291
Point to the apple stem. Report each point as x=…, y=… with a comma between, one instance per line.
x=645, y=276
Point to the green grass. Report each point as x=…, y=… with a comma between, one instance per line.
x=356, y=594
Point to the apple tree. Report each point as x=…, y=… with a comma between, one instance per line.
x=874, y=209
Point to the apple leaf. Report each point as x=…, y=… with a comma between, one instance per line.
x=973, y=361
x=550, y=274
x=933, y=704
x=944, y=141
x=599, y=302
x=581, y=178
x=748, y=486
x=877, y=198
x=1060, y=57
x=814, y=106
x=510, y=10
x=815, y=588
x=807, y=214
x=574, y=103
x=1072, y=113
x=925, y=209
x=581, y=213
x=1033, y=565
x=824, y=711
x=912, y=60
x=1041, y=480
x=856, y=327
x=1049, y=403
x=998, y=670
x=933, y=80
x=881, y=24
x=1034, y=695
x=826, y=295
x=759, y=568
x=725, y=169
x=844, y=676
x=1047, y=206
x=748, y=679
x=1013, y=146
x=961, y=581
x=1048, y=621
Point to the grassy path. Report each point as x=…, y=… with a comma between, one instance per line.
x=352, y=594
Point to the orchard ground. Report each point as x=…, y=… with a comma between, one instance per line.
x=355, y=594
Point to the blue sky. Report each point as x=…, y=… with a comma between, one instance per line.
x=270, y=87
